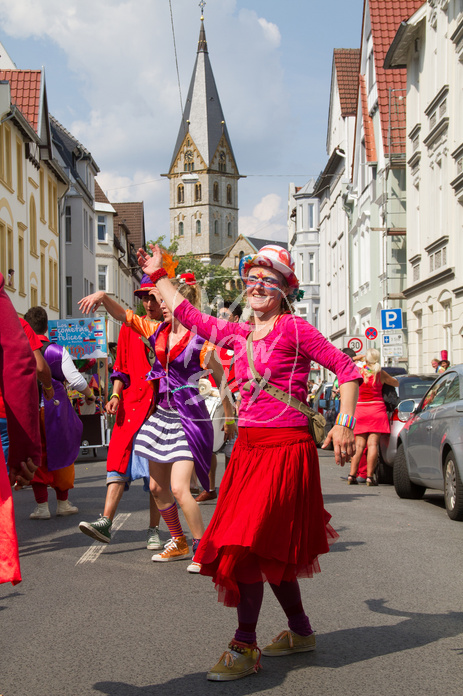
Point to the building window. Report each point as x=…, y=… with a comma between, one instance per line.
x=102, y=231
x=229, y=229
x=241, y=254
x=197, y=192
x=215, y=192
x=19, y=170
x=103, y=278
x=32, y=227
x=86, y=287
x=52, y=206
x=43, y=279
x=21, y=278
x=86, y=230
x=10, y=251
x=198, y=226
x=180, y=229
x=311, y=216
x=8, y=169
x=69, y=296
x=315, y=317
x=216, y=227
x=91, y=234
x=34, y=296
x=180, y=194
x=3, y=268
x=67, y=224
x=301, y=266
x=311, y=268
x=237, y=259
x=229, y=195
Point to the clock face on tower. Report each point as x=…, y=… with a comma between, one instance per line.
x=189, y=156
x=222, y=156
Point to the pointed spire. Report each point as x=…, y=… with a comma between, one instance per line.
x=202, y=43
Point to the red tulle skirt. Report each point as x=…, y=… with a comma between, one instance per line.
x=270, y=522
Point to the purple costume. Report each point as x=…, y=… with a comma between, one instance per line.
x=63, y=426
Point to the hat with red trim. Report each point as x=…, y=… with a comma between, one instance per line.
x=187, y=278
x=145, y=286
x=273, y=256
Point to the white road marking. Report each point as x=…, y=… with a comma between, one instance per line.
x=97, y=548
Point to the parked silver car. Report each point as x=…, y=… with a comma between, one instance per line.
x=430, y=445
x=410, y=387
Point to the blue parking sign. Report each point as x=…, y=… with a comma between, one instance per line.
x=391, y=319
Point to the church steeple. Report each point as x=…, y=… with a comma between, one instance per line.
x=203, y=171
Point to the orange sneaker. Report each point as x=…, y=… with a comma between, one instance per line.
x=175, y=550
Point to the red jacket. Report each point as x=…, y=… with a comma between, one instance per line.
x=136, y=399
x=18, y=383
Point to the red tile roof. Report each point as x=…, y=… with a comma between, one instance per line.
x=347, y=63
x=99, y=194
x=132, y=215
x=368, y=129
x=25, y=87
x=386, y=16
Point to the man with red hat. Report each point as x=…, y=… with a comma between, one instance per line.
x=131, y=402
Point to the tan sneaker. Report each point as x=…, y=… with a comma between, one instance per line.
x=41, y=512
x=288, y=642
x=239, y=661
x=175, y=550
x=64, y=508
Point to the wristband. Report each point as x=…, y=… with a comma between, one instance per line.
x=117, y=395
x=160, y=273
x=230, y=422
x=48, y=388
x=345, y=420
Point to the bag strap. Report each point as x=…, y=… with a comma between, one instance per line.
x=269, y=388
x=151, y=354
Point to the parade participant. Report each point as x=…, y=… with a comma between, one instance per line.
x=269, y=523
x=230, y=311
x=60, y=426
x=371, y=416
x=19, y=388
x=131, y=402
x=178, y=437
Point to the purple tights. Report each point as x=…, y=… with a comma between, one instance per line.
x=289, y=596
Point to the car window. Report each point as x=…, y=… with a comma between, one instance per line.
x=453, y=392
x=410, y=389
x=436, y=395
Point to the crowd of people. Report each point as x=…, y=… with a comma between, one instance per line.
x=269, y=523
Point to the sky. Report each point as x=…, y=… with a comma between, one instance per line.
x=111, y=78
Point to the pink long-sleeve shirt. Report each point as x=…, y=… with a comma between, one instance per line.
x=283, y=357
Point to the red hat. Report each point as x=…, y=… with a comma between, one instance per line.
x=187, y=278
x=444, y=355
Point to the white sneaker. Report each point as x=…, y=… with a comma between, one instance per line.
x=64, y=508
x=153, y=541
x=194, y=567
x=41, y=512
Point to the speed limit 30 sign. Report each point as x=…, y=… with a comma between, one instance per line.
x=356, y=343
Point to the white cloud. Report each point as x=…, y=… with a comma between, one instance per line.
x=271, y=31
x=268, y=220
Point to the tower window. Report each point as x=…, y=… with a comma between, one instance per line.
x=216, y=227
x=197, y=192
x=180, y=194
x=198, y=226
x=180, y=229
x=229, y=195
x=229, y=229
x=216, y=192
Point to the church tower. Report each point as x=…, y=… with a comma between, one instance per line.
x=203, y=173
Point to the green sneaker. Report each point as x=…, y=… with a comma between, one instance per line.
x=153, y=541
x=288, y=642
x=239, y=661
x=99, y=530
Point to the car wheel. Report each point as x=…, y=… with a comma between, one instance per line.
x=384, y=473
x=453, y=489
x=402, y=484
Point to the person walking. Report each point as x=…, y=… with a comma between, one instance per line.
x=178, y=437
x=132, y=401
x=371, y=416
x=270, y=522
x=60, y=426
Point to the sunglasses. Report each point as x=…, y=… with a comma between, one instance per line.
x=266, y=282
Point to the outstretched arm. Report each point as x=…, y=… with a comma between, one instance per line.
x=90, y=303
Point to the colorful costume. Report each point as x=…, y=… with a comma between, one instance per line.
x=136, y=402
x=19, y=389
x=178, y=373
x=270, y=523
x=61, y=428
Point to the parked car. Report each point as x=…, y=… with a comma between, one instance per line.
x=430, y=445
x=410, y=387
x=324, y=404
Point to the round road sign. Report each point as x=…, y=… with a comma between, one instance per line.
x=371, y=333
x=356, y=344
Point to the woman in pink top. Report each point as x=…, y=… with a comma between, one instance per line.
x=371, y=416
x=270, y=522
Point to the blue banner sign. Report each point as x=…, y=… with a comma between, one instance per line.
x=82, y=338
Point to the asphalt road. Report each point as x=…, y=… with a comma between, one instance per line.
x=100, y=619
